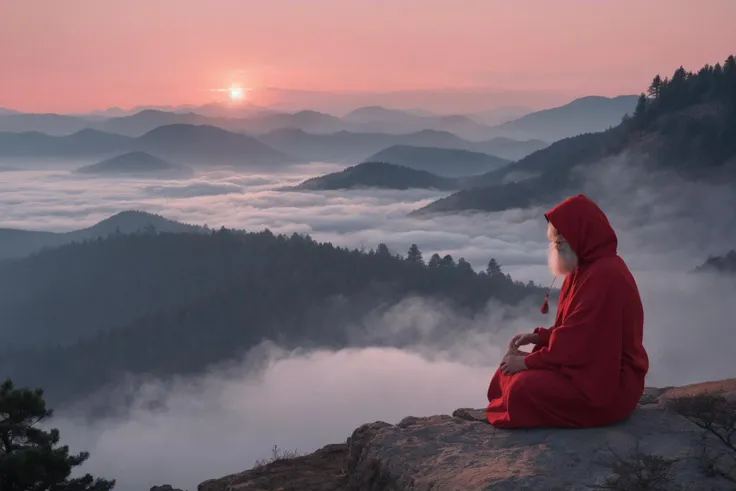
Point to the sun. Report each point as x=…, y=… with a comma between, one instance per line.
x=236, y=93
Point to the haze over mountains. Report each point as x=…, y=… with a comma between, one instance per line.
x=591, y=114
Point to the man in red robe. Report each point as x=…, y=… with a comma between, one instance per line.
x=587, y=369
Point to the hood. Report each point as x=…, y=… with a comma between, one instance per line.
x=585, y=227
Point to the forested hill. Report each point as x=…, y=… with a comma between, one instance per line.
x=83, y=315
x=685, y=123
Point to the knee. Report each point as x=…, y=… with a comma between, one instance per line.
x=520, y=389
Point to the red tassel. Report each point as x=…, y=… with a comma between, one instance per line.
x=545, y=305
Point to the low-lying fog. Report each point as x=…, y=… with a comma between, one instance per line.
x=222, y=422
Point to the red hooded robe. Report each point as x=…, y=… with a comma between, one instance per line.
x=589, y=367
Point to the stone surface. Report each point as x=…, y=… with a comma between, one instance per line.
x=445, y=452
x=464, y=452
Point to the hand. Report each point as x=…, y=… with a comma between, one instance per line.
x=512, y=363
x=523, y=339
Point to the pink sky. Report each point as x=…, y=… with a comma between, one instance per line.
x=76, y=55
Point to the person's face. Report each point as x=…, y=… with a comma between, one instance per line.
x=560, y=257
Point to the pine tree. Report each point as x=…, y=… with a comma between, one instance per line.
x=641, y=107
x=383, y=250
x=654, y=87
x=447, y=262
x=464, y=265
x=493, y=269
x=435, y=261
x=414, y=255
x=679, y=76
x=730, y=65
x=31, y=459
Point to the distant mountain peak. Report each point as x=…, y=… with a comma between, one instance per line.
x=134, y=162
x=379, y=175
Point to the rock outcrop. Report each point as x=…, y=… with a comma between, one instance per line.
x=164, y=487
x=323, y=470
x=660, y=447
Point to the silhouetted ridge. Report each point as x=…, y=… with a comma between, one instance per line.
x=379, y=175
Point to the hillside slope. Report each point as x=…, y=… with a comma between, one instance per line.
x=687, y=127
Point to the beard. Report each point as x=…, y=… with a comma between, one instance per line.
x=561, y=259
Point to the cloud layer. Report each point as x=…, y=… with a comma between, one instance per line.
x=56, y=200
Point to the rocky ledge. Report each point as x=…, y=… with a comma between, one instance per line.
x=681, y=438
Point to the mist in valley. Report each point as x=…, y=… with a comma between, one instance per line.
x=222, y=422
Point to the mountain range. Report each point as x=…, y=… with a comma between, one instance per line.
x=587, y=114
x=195, y=144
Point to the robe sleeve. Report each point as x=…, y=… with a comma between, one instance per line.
x=544, y=335
x=571, y=343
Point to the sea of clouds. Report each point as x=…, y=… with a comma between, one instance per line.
x=221, y=422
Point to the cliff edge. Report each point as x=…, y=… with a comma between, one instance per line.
x=679, y=438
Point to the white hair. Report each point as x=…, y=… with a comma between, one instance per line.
x=561, y=259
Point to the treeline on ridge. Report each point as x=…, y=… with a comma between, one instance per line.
x=86, y=314
x=709, y=138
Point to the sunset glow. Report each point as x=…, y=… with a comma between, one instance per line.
x=536, y=52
